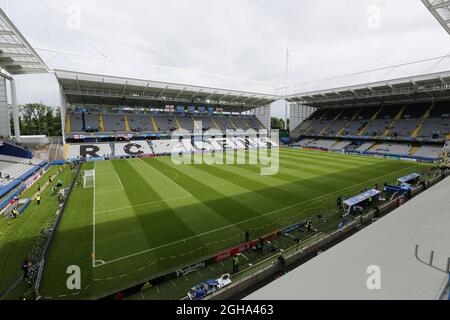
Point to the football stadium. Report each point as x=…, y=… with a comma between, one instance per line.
x=167, y=190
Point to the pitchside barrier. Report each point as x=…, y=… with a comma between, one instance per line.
x=50, y=240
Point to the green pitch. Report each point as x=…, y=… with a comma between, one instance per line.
x=145, y=217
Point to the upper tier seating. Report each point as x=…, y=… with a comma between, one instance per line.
x=116, y=122
x=438, y=128
x=405, y=127
x=92, y=121
x=140, y=122
x=402, y=121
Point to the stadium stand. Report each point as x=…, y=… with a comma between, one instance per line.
x=391, y=148
x=88, y=151
x=92, y=122
x=160, y=147
x=429, y=152
x=114, y=123
x=365, y=146
x=137, y=148
x=12, y=168
x=342, y=145
x=413, y=120
x=390, y=125
x=140, y=123
x=322, y=144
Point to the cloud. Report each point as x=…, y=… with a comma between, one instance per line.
x=236, y=38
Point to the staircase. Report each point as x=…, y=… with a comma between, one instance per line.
x=332, y=121
x=178, y=123
x=416, y=131
x=427, y=114
x=127, y=124
x=374, y=117
x=419, y=127
x=346, y=125
x=373, y=147
x=413, y=150
x=392, y=124
x=215, y=124
x=312, y=124
x=68, y=126
x=234, y=125
x=100, y=123
x=155, y=126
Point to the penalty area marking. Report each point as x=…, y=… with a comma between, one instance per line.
x=147, y=204
x=252, y=219
x=173, y=181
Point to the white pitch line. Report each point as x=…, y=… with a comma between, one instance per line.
x=244, y=256
x=143, y=205
x=93, y=223
x=173, y=181
x=108, y=191
x=252, y=219
x=120, y=181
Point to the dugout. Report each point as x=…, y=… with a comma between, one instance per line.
x=363, y=200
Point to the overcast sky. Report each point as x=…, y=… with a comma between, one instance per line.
x=245, y=39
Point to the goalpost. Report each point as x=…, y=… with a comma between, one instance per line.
x=89, y=179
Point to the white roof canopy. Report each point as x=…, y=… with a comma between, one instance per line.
x=440, y=9
x=105, y=90
x=16, y=54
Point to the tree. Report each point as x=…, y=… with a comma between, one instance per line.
x=39, y=119
x=277, y=124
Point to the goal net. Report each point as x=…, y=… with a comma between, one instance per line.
x=89, y=179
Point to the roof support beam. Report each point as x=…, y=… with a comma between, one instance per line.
x=442, y=4
x=180, y=93
x=197, y=93
x=124, y=88
x=237, y=97
x=15, y=55
x=145, y=89
x=163, y=92
x=211, y=95
x=19, y=63
x=6, y=33
x=11, y=45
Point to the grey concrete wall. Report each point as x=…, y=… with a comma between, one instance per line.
x=5, y=129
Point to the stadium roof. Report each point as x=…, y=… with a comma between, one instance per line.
x=440, y=9
x=341, y=272
x=421, y=80
x=16, y=54
x=106, y=90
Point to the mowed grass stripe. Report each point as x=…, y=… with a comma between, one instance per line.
x=251, y=182
x=349, y=175
x=193, y=211
x=231, y=208
x=137, y=182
